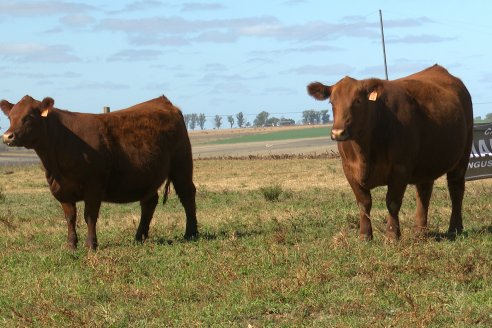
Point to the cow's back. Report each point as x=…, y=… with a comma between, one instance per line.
x=444, y=119
x=143, y=141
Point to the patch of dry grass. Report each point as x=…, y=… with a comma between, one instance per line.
x=293, y=174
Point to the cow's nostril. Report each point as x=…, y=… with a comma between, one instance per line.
x=8, y=137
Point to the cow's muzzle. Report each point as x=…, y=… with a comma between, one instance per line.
x=339, y=134
x=8, y=138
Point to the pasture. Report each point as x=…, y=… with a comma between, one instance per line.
x=278, y=248
x=280, y=134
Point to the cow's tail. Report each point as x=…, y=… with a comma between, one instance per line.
x=167, y=188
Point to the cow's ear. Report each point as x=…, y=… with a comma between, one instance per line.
x=6, y=107
x=374, y=90
x=319, y=91
x=46, y=106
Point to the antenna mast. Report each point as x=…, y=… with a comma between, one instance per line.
x=384, y=47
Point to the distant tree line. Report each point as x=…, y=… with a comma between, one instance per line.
x=308, y=117
x=485, y=119
x=264, y=119
x=315, y=117
x=194, y=120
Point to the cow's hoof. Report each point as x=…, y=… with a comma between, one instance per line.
x=453, y=233
x=393, y=235
x=191, y=236
x=140, y=239
x=365, y=237
x=92, y=246
x=71, y=246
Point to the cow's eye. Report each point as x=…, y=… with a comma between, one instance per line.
x=28, y=118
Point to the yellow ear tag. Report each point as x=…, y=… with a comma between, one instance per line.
x=44, y=113
x=373, y=96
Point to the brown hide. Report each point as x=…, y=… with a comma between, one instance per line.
x=120, y=157
x=407, y=131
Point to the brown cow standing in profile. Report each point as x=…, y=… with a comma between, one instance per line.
x=120, y=157
x=407, y=131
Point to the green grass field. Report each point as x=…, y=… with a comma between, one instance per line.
x=278, y=135
x=278, y=248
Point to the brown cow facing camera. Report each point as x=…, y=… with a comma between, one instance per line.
x=407, y=131
x=119, y=157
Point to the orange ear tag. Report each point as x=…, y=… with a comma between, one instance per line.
x=44, y=113
x=373, y=96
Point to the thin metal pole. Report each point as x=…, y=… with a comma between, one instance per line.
x=384, y=47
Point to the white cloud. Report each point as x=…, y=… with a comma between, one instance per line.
x=215, y=67
x=178, y=25
x=36, y=8
x=216, y=37
x=143, y=5
x=422, y=38
x=308, y=49
x=168, y=41
x=35, y=52
x=200, y=6
x=100, y=86
x=279, y=91
x=486, y=78
x=321, y=70
x=228, y=78
x=230, y=88
x=168, y=30
x=157, y=86
x=135, y=55
x=76, y=20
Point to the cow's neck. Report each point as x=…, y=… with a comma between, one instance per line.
x=373, y=141
x=47, y=147
x=368, y=148
x=364, y=144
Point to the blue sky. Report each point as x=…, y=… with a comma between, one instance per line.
x=225, y=57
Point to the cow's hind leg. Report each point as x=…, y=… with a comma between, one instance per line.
x=456, y=186
x=424, y=193
x=70, y=211
x=147, y=207
x=91, y=213
x=186, y=191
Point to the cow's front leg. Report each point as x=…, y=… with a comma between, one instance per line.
x=394, y=198
x=70, y=211
x=364, y=202
x=91, y=213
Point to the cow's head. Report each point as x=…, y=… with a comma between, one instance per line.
x=353, y=103
x=26, y=126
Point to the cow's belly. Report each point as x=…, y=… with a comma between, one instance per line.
x=129, y=195
x=125, y=188
x=66, y=191
x=366, y=175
